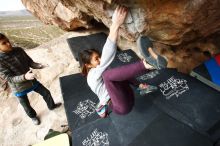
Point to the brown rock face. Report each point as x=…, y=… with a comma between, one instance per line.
x=171, y=22
x=174, y=22
x=55, y=12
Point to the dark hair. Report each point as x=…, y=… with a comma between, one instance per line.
x=85, y=58
x=2, y=36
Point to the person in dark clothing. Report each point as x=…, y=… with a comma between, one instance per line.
x=15, y=67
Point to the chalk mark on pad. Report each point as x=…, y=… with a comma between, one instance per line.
x=149, y=75
x=96, y=138
x=85, y=108
x=173, y=87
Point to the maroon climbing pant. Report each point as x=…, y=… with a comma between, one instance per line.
x=117, y=82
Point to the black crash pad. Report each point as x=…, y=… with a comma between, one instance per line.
x=79, y=101
x=145, y=125
x=92, y=41
x=129, y=126
x=185, y=98
x=160, y=130
x=166, y=131
x=97, y=41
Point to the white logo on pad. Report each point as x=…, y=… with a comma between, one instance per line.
x=96, y=138
x=149, y=75
x=173, y=87
x=85, y=108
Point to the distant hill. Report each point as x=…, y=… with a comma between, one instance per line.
x=14, y=13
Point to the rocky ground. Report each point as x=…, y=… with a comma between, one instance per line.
x=18, y=130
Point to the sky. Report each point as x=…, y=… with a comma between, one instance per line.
x=11, y=5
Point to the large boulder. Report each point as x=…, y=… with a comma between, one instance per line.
x=170, y=22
